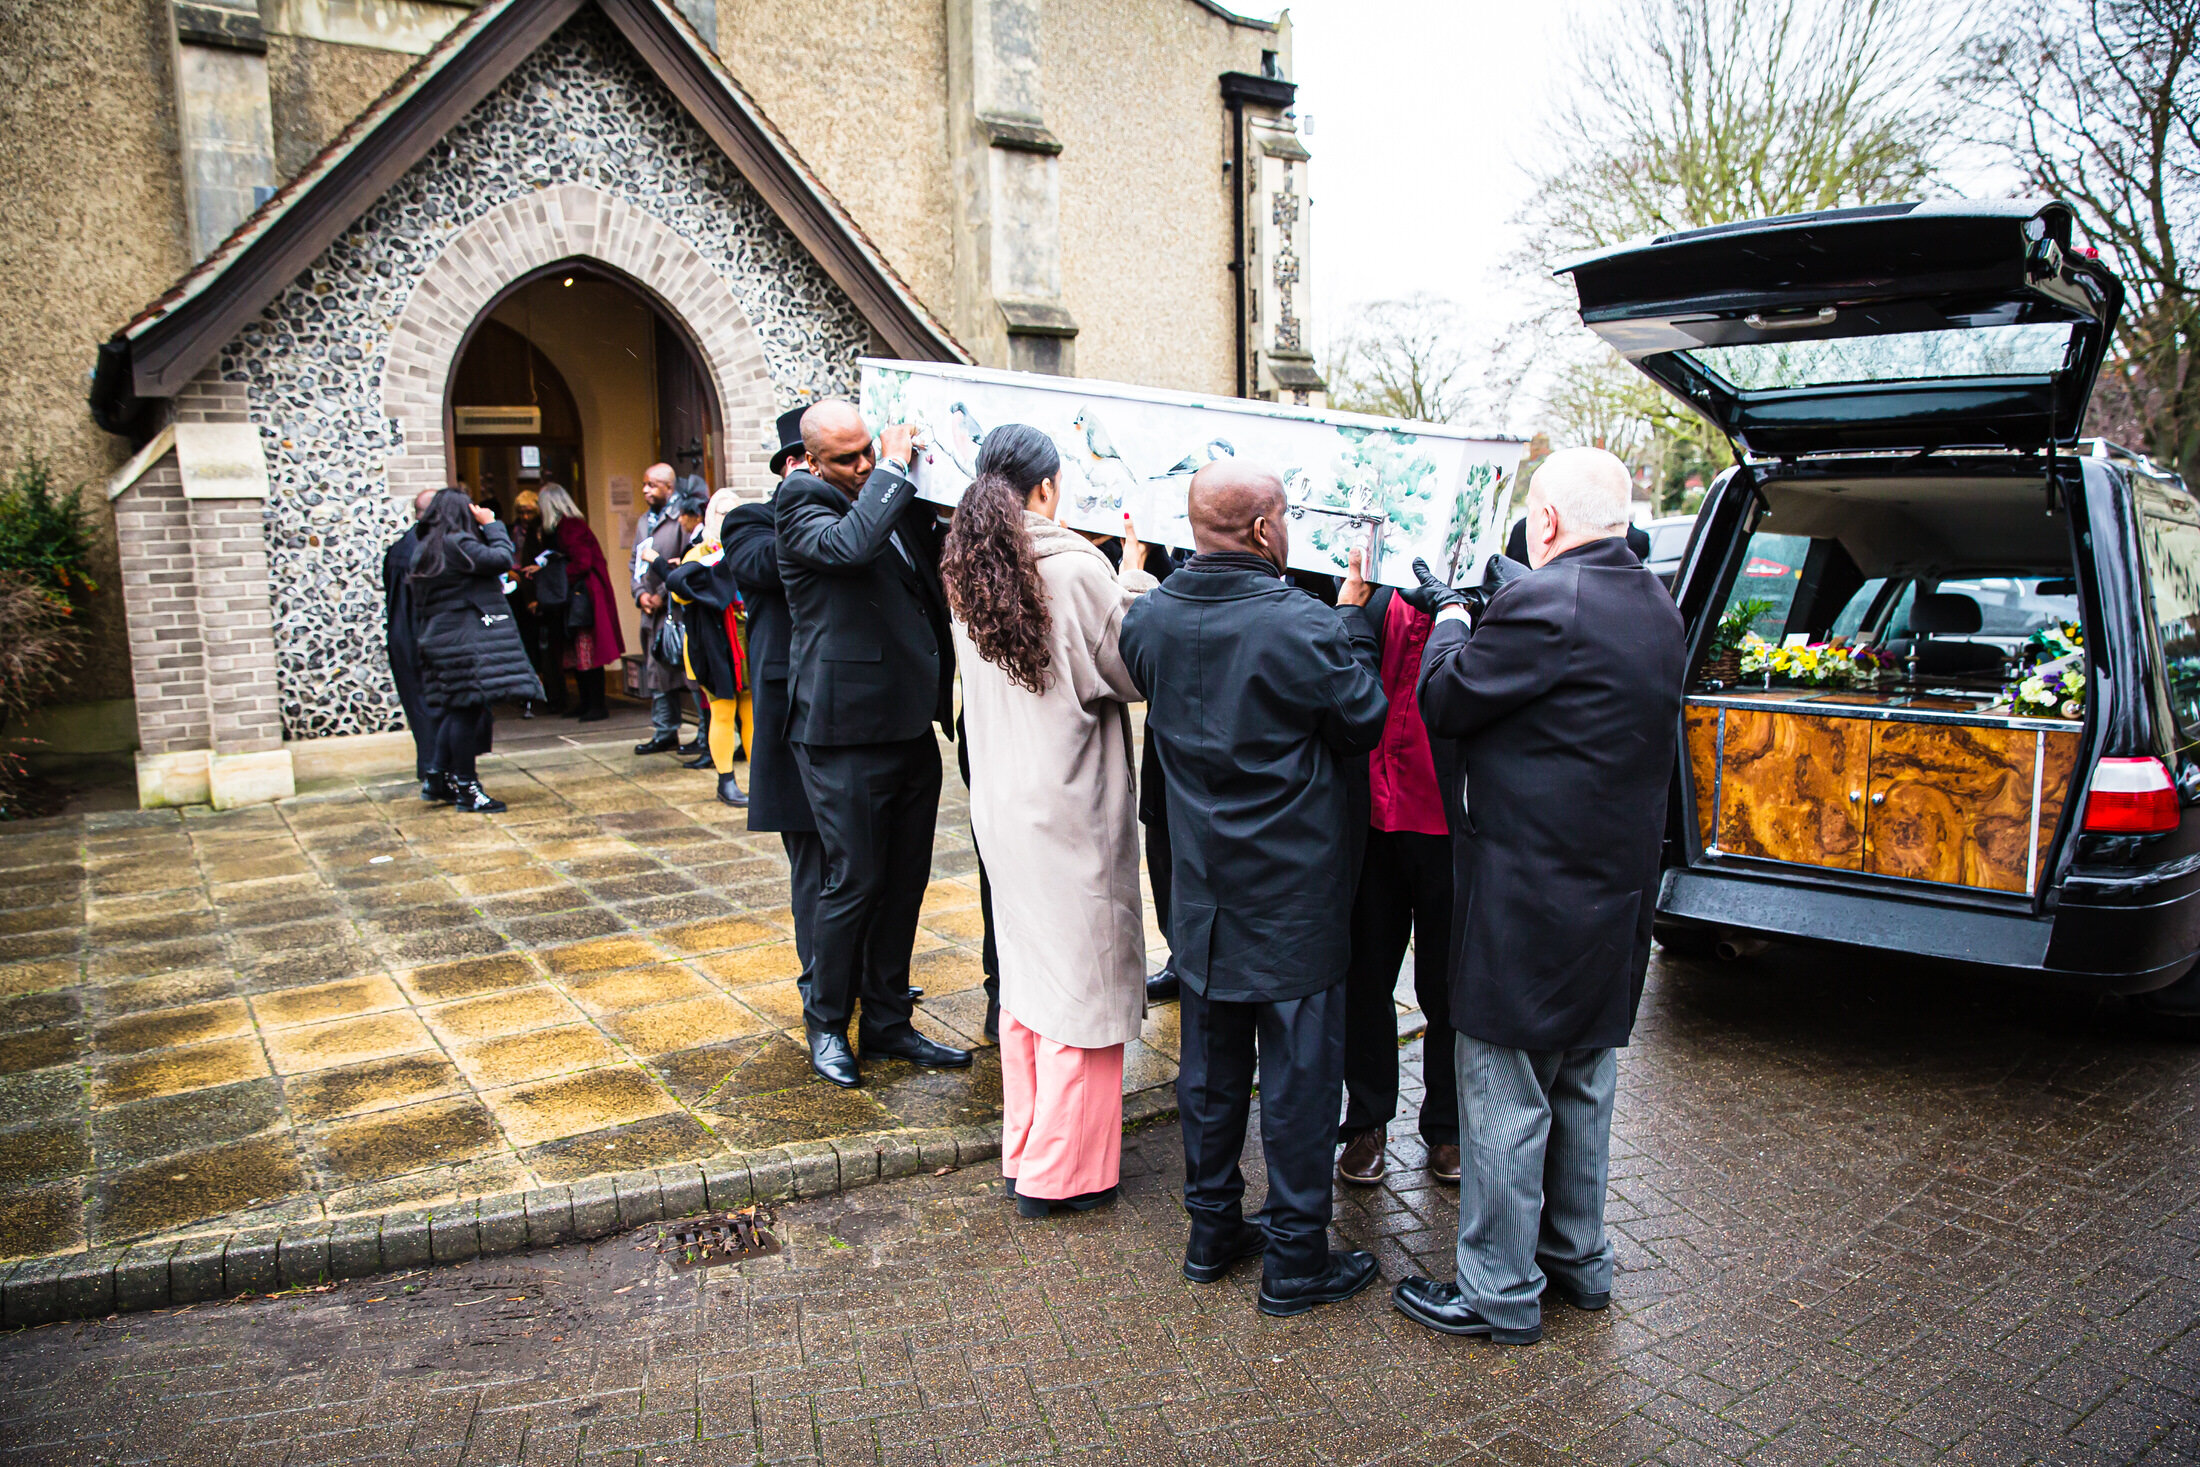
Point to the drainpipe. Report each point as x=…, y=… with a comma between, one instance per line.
x=1237, y=221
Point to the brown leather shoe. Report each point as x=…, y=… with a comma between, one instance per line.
x=1443, y=1164
x=1362, y=1163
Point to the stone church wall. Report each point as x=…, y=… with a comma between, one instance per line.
x=583, y=110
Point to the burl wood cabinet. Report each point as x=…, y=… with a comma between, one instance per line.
x=1972, y=803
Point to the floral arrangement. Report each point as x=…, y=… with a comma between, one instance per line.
x=1820, y=664
x=2057, y=684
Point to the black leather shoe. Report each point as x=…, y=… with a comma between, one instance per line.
x=832, y=1059
x=1425, y=1301
x=1163, y=987
x=434, y=790
x=915, y=993
x=661, y=744
x=694, y=748
x=1346, y=1275
x=1206, y=1265
x=1083, y=1202
x=1586, y=1303
x=729, y=791
x=700, y=761
x=918, y=1050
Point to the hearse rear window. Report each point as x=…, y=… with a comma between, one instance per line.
x=2169, y=538
x=2028, y=350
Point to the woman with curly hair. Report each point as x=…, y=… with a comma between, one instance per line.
x=1054, y=806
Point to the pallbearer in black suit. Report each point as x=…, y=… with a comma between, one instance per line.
x=1565, y=698
x=1257, y=696
x=871, y=669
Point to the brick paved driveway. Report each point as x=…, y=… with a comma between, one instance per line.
x=1864, y=1214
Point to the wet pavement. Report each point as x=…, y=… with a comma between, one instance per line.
x=1864, y=1212
x=352, y=1002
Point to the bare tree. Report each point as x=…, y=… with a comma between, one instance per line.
x=1600, y=401
x=1402, y=359
x=1696, y=112
x=2098, y=102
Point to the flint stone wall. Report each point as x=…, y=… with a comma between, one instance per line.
x=583, y=110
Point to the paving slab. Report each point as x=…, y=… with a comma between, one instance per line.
x=352, y=1005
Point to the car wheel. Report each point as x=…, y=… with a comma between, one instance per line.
x=1687, y=942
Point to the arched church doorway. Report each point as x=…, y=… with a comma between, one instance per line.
x=576, y=375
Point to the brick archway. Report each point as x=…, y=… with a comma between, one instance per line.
x=526, y=234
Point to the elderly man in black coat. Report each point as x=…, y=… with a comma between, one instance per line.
x=871, y=669
x=1565, y=700
x=1257, y=695
x=404, y=649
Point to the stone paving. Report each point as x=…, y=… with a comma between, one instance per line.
x=352, y=1002
x=1864, y=1212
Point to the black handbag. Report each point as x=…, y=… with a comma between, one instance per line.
x=552, y=587
x=580, y=610
x=670, y=645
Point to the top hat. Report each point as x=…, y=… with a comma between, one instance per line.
x=790, y=436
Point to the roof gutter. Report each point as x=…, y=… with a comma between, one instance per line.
x=115, y=403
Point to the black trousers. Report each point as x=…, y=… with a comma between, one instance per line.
x=806, y=877
x=461, y=735
x=1404, y=891
x=989, y=956
x=421, y=719
x=1301, y=1064
x=876, y=806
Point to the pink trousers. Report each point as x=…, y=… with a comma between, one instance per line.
x=1061, y=1114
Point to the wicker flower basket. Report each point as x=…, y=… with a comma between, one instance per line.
x=1724, y=669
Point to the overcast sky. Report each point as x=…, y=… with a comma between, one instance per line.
x=1425, y=114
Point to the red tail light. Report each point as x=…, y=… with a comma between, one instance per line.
x=2131, y=797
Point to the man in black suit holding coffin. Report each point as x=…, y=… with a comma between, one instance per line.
x=871, y=669
x=1565, y=698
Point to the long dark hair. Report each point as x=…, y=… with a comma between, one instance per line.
x=990, y=570
x=450, y=517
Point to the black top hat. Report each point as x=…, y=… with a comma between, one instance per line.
x=790, y=436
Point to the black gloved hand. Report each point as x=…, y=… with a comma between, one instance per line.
x=1432, y=595
x=1500, y=572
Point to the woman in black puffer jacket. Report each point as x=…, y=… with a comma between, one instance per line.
x=470, y=649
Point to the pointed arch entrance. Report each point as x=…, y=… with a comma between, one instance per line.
x=563, y=229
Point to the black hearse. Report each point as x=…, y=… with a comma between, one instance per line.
x=1944, y=686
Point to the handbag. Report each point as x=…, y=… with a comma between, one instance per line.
x=670, y=644
x=553, y=588
x=580, y=610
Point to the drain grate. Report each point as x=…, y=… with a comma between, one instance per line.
x=727, y=1237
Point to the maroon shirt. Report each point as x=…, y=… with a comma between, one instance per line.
x=1401, y=773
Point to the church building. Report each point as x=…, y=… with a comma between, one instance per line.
x=527, y=241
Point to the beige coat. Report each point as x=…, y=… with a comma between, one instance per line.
x=1054, y=804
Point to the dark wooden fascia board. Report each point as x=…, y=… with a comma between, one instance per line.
x=785, y=190
x=171, y=352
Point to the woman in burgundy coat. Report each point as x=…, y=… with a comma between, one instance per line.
x=589, y=649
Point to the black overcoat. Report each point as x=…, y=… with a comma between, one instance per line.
x=399, y=633
x=871, y=661
x=470, y=651
x=708, y=589
x=1565, y=700
x=777, y=800
x=1258, y=696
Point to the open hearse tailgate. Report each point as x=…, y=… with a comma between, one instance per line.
x=1948, y=324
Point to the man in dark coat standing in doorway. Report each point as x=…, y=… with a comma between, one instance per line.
x=871, y=669
x=403, y=640
x=1565, y=699
x=1257, y=694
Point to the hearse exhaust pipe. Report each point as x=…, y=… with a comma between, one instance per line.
x=1732, y=947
